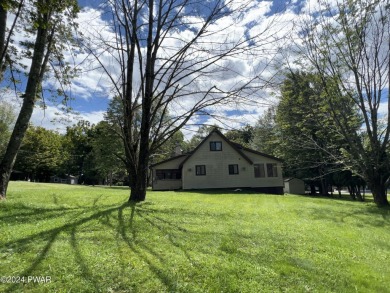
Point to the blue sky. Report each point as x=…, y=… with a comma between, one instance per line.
x=95, y=101
x=91, y=90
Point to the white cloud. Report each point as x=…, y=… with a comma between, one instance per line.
x=227, y=74
x=52, y=118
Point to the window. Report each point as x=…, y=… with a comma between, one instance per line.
x=272, y=170
x=200, y=170
x=166, y=174
x=259, y=171
x=215, y=145
x=233, y=169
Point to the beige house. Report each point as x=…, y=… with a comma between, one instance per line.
x=219, y=163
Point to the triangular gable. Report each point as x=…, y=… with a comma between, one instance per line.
x=234, y=146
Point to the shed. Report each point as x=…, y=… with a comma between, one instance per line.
x=294, y=186
x=68, y=179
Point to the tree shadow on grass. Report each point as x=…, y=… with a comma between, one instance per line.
x=124, y=226
x=365, y=216
x=142, y=250
x=335, y=197
x=85, y=270
x=50, y=236
x=23, y=213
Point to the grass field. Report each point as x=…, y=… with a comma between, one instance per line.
x=87, y=239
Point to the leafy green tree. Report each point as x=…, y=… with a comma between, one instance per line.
x=266, y=134
x=50, y=23
x=7, y=118
x=77, y=144
x=242, y=136
x=41, y=154
x=107, y=153
x=169, y=148
x=354, y=184
x=309, y=142
x=347, y=44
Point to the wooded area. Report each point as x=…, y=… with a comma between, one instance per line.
x=329, y=120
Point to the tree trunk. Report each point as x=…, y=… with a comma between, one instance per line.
x=25, y=113
x=139, y=184
x=379, y=193
x=351, y=190
x=3, y=26
x=138, y=188
x=139, y=192
x=324, y=187
x=312, y=189
x=4, y=179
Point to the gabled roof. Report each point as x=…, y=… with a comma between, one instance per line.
x=170, y=159
x=237, y=147
x=260, y=153
x=233, y=145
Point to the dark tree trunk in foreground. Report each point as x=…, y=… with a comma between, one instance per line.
x=21, y=125
x=378, y=186
x=3, y=26
x=165, y=74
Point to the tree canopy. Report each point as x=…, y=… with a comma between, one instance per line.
x=347, y=46
x=49, y=24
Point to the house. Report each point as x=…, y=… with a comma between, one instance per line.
x=294, y=186
x=219, y=163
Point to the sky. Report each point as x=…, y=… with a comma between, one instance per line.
x=91, y=90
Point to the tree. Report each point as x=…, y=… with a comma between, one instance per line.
x=107, y=152
x=242, y=136
x=51, y=22
x=266, y=134
x=309, y=142
x=41, y=154
x=77, y=145
x=165, y=74
x=6, y=33
x=7, y=118
x=348, y=46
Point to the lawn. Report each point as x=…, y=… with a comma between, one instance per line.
x=87, y=239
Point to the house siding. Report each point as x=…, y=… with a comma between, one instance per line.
x=217, y=168
x=167, y=184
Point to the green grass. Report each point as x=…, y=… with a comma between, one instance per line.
x=87, y=239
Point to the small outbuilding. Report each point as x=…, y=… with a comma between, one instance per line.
x=68, y=179
x=294, y=186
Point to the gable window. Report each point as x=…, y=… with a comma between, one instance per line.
x=200, y=170
x=259, y=170
x=272, y=170
x=166, y=174
x=233, y=169
x=215, y=145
